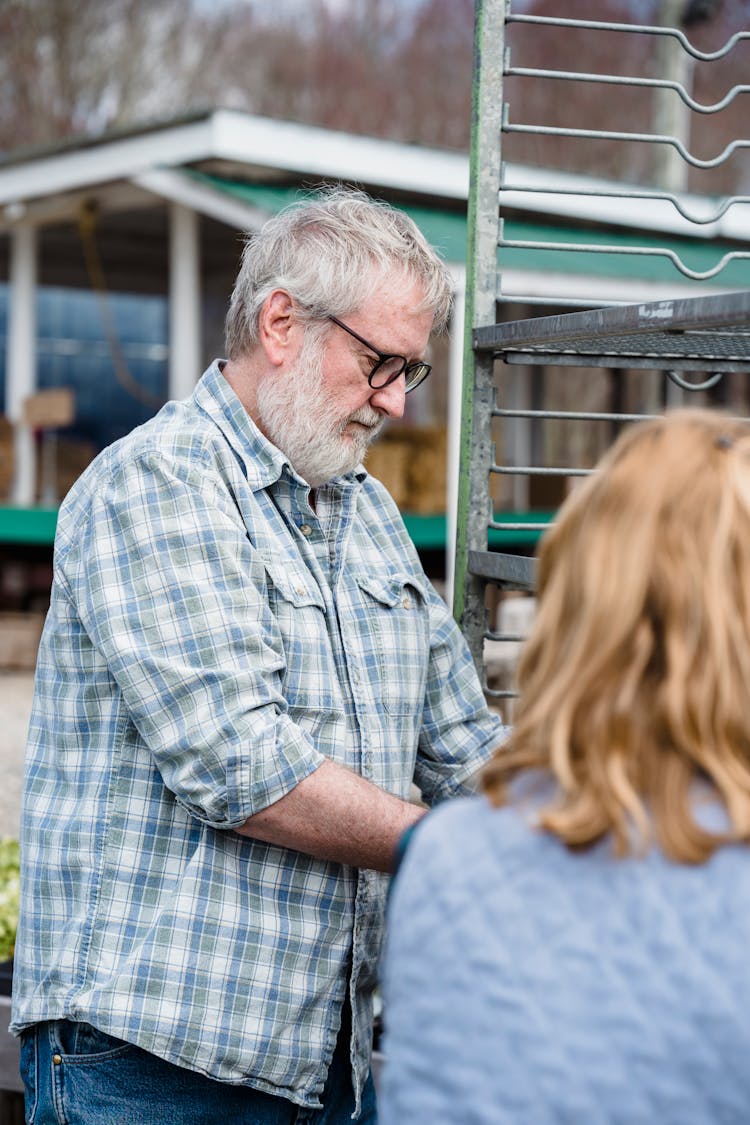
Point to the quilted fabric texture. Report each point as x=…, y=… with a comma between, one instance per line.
x=526, y=984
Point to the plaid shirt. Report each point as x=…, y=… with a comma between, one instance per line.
x=210, y=640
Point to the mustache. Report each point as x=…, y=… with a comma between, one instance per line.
x=366, y=416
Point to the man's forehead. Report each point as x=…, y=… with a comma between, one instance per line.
x=396, y=295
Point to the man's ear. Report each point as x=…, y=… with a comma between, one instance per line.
x=277, y=326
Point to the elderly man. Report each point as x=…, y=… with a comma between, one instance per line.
x=243, y=671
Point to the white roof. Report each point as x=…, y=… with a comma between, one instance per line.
x=229, y=135
x=151, y=159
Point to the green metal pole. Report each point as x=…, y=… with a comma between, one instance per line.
x=483, y=226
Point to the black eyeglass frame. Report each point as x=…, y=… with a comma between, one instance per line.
x=421, y=367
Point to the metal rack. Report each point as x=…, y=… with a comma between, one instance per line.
x=692, y=333
x=543, y=396
x=686, y=335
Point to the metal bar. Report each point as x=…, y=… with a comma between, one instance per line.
x=642, y=138
x=602, y=358
x=642, y=251
x=627, y=193
x=570, y=415
x=516, y=572
x=632, y=28
x=720, y=310
x=629, y=80
x=496, y=525
x=538, y=471
x=494, y=693
x=483, y=232
x=577, y=416
x=559, y=302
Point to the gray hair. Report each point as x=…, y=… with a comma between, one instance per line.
x=330, y=253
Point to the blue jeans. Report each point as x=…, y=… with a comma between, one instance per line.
x=76, y=1075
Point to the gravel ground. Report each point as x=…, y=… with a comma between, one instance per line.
x=15, y=707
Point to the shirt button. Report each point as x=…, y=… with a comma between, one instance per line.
x=306, y=530
x=406, y=603
x=301, y=591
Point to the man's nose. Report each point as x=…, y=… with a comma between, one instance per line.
x=390, y=399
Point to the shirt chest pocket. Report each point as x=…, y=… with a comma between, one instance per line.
x=299, y=613
x=395, y=638
x=293, y=586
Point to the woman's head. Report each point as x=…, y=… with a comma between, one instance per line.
x=636, y=676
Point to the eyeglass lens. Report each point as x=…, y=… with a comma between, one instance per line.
x=388, y=370
x=389, y=367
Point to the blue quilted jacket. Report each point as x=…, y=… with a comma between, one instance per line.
x=525, y=984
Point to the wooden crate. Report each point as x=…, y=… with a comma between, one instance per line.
x=411, y=463
x=19, y=639
x=69, y=459
x=6, y=457
x=427, y=470
x=388, y=460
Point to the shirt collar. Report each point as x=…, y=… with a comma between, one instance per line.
x=264, y=462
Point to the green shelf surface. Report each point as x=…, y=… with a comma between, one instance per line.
x=27, y=525
x=428, y=532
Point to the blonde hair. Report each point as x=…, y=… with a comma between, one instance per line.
x=635, y=679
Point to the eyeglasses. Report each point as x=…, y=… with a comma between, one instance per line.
x=388, y=367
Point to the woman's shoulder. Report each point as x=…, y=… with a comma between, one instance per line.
x=466, y=834
x=457, y=819
x=476, y=818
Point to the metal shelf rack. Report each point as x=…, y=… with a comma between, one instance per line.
x=544, y=395
x=692, y=333
x=679, y=336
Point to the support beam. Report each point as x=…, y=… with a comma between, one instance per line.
x=455, y=391
x=21, y=356
x=185, y=360
x=671, y=115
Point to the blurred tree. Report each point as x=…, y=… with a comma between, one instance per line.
x=85, y=66
x=433, y=95
x=379, y=67
x=399, y=69
x=712, y=82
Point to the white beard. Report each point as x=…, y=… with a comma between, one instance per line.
x=303, y=420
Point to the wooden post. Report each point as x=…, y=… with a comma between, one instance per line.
x=671, y=114
x=184, y=301
x=21, y=356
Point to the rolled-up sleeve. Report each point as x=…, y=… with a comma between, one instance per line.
x=172, y=593
x=459, y=734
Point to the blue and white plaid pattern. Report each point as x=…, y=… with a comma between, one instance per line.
x=210, y=640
